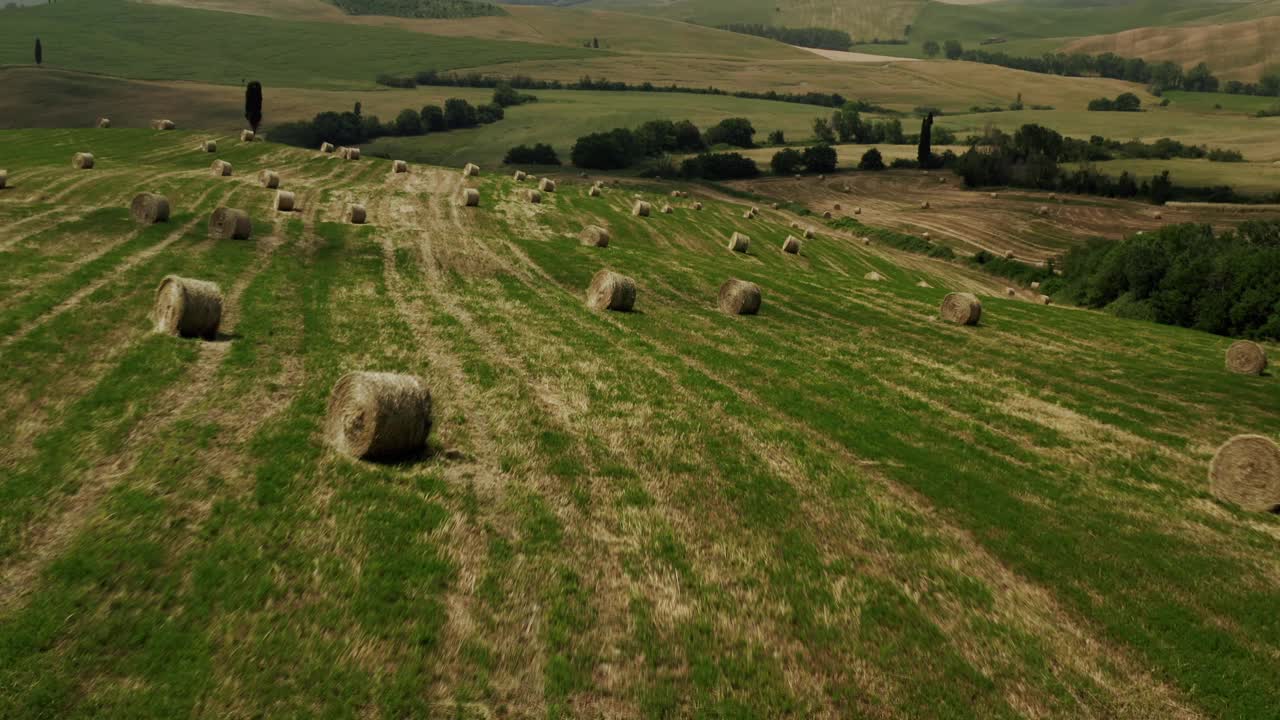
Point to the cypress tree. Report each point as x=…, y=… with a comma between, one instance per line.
x=253, y=104
x=925, y=154
x=39, y=53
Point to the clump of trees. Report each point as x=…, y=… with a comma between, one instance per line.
x=1125, y=102
x=813, y=37
x=821, y=158
x=1224, y=283
x=540, y=154
x=355, y=128
x=253, y=105
x=871, y=160
x=719, y=166
x=737, y=132
x=420, y=8
x=623, y=147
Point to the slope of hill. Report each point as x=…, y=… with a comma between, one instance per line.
x=838, y=507
x=1242, y=50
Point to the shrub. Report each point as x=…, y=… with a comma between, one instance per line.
x=433, y=119
x=787, y=162
x=871, y=160
x=506, y=96
x=820, y=159
x=459, y=113
x=720, y=166
x=611, y=150
x=540, y=154
x=1222, y=155
x=777, y=138
x=737, y=132
x=490, y=113
x=408, y=123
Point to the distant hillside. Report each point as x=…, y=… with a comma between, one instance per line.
x=1240, y=51
x=436, y=9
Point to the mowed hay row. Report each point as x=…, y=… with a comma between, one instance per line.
x=791, y=245
x=188, y=308
x=1246, y=357
x=163, y=125
x=594, y=236
x=378, y=416
x=611, y=291
x=739, y=243
x=221, y=168
x=1246, y=472
x=547, y=185
x=230, y=224
x=961, y=308
x=399, y=166
x=641, y=209
x=356, y=214
x=268, y=179
x=149, y=208
x=285, y=201
x=470, y=197
x=82, y=161
x=739, y=297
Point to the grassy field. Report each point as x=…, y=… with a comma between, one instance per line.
x=149, y=42
x=1248, y=177
x=839, y=508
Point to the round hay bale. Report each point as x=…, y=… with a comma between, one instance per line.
x=470, y=170
x=82, y=161
x=748, y=215
x=755, y=210
x=775, y=206
x=697, y=206
x=1246, y=472
x=844, y=188
x=836, y=207
x=822, y=177
x=595, y=191
x=209, y=146
x=1053, y=196
x=1010, y=292
x=675, y=193
x=926, y=235
x=519, y=176
x=230, y=224
x=739, y=297
x=221, y=168
x=356, y=214
x=942, y=181
x=1158, y=216
x=547, y=185
x=1035, y=285
x=640, y=209
x=794, y=225
x=995, y=196
x=594, y=236
x=104, y=122
x=1246, y=357
x=667, y=210
x=582, y=174
x=866, y=241
x=378, y=416
x=399, y=166
x=247, y=135
x=4, y=178
x=923, y=284
x=611, y=291
x=351, y=154
x=826, y=215
x=961, y=309
x=1009, y=256
x=791, y=245
x=857, y=211
x=874, y=276
x=188, y=308
x=163, y=125
x=149, y=208
x=534, y=196
x=470, y=197
x=327, y=148
x=739, y=242
x=925, y=205
x=285, y=201
x=808, y=233
x=268, y=179
x=1046, y=300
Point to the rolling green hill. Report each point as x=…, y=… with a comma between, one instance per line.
x=839, y=507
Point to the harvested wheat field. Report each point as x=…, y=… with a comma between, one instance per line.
x=520, y=506
x=1026, y=223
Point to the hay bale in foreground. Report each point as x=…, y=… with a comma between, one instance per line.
x=1035, y=285
x=533, y=196
x=104, y=122
x=378, y=416
x=739, y=242
x=866, y=240
x=547, y=185
x=667, y=210
x=749, y=215
x=961, y=308
x=1246, y=472
x=857, y=211
x=356, y=214
x=697, y=206
x=826, y=215
x=268, y=179
x=675, y=193
x=326, y=148
x=874, y=276
x=739, y=297
x=4, y=178
x=1009, y=255
x=791, y=245
x=594, y=191
x=351, y=154
x=163, y=125
x=470, y=197
x=149, y=208
x=594, y=236
x=285, y=201
x=995, y=196
x=808, y=233
x=230, y=224
x=1246, y=357
x=519, y=176
x=399, y=166
x=925, y=205
x=1046, y=300
x=926, y=235
x=470, y=170
x=82, y=161
x=188, y=308
x=221, y=168
x=836, y=206
x=247, y=136
x=611, y=291
x=1010, y=292
x=208, y=146
x=641, y=209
